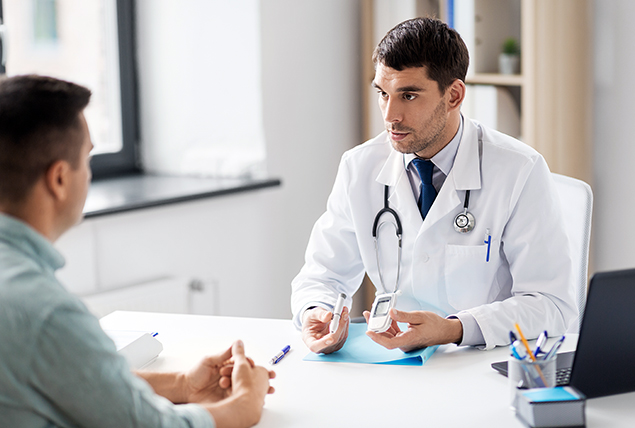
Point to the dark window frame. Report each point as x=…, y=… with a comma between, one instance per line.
x=126, y=161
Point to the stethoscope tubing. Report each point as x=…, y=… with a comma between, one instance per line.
x=384, y=210
x=469, y=225
x=465, y=217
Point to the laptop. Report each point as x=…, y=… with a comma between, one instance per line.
x=603, y=363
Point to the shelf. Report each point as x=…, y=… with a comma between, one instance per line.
x=496, y=79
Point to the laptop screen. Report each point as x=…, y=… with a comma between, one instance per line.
x=605, y=354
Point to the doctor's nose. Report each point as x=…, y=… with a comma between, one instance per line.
x=391, y=112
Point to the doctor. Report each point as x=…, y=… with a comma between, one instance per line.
x=483, y=243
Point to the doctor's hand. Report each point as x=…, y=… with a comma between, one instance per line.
x=315, y=330
x=424, y=329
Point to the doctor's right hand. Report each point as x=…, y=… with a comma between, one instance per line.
x=315, y=330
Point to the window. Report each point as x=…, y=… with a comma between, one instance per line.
x=90, y=43
x=200, y=87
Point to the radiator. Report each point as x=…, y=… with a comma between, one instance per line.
x=172, y=295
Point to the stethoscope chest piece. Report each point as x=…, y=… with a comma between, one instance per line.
x=464, y=222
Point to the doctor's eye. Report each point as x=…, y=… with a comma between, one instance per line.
x=382, y=94
x=409, y=97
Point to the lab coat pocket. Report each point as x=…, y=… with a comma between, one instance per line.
x=467, y=279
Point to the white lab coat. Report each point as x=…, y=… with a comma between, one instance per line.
x=528, y=276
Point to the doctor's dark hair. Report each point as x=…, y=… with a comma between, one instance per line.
x=39, y=125
x=425, y=42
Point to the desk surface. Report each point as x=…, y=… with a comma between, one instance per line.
x=455, y=388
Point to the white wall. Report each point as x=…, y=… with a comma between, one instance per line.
x=250, y=244
x=613, y=138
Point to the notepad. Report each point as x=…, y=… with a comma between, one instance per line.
x=360, y=348
x=139, y=348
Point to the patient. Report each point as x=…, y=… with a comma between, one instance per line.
x=57, y=367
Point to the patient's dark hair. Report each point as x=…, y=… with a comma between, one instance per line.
x=39, y=125
x=425, y=42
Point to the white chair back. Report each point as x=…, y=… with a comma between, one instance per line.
x=577, y=204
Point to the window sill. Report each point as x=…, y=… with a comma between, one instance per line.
x=134, y=192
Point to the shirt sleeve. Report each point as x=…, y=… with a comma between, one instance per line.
x=82, y=380
x=472, y=335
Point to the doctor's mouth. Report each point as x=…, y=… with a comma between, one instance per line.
x=398, y=136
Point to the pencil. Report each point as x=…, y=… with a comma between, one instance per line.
x=531, y=354
x=522, y=339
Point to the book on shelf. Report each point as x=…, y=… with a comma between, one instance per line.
x=494, y=107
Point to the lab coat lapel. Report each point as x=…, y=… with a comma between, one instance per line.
x=464, y=175
x=400, y=195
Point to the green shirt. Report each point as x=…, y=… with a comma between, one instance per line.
x=57, y=366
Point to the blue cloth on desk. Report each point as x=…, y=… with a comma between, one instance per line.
x=360, y=348
x=57, y=366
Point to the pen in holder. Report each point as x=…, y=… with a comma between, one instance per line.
x=527, y=374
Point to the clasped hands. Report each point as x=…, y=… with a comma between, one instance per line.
x=230, y=386
x=424, y=329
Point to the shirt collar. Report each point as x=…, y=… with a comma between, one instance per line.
x=444, y=160
x=23, y=237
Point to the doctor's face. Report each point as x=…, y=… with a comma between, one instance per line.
x=415, y=112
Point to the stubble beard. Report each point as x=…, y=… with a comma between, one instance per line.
x=433, y=129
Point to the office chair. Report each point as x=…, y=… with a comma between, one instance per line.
x=577, y=204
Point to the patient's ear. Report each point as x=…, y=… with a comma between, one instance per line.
x=57, y=179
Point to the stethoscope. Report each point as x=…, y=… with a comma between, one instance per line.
x=398, y=230
x=464, y=222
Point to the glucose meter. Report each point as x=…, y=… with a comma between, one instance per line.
x=379, y=320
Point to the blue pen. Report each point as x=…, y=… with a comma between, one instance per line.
x=512, y=337
x=488, y=241
x=517, y=350
x=280, y=355
x=540, y=342
x=554, y=349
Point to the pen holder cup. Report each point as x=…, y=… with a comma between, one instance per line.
x=524, y=374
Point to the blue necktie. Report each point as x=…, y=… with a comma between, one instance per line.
x=428, y=192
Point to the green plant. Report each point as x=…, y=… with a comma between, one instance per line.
x=511, y=46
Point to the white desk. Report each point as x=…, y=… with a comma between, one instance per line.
x=455, y=388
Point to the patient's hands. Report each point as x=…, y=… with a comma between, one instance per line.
x=232, y=389
x=210, y=381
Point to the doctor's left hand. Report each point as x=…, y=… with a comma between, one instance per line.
x=315, y=330
x=424, y=329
